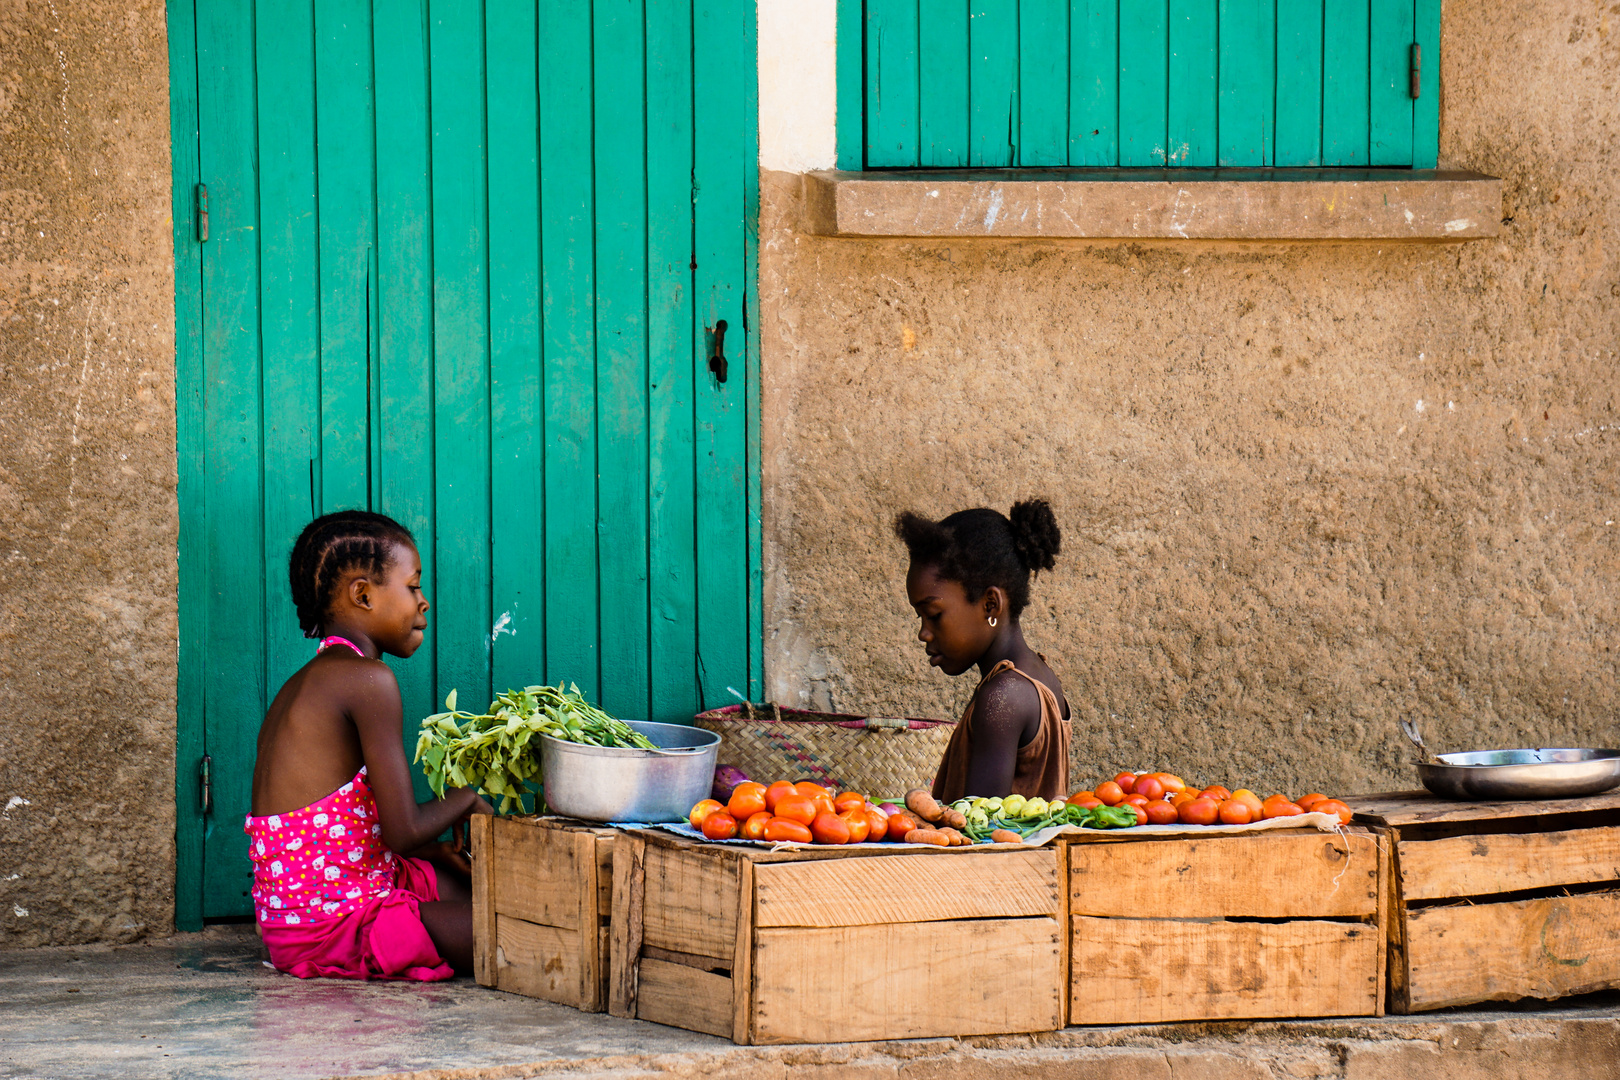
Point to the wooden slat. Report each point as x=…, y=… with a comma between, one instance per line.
x=481, y=835
x=1191, y=95
x=850, y=125
x=907, y=980
x=604, y=874
x=619, y=146
x=907, y=889
x=742, y=963
x=1426, y=110
x=1344, y=82
x=686, y=909
x=1421, y=808
x=1388, y=901
x=1094, y=83
x=1065, y=939
x=1248, y=82
x=992, y=83
x=1299, y=83
x=891, y=83
x=629, y=893
x=1135, y=971
x=1507, y=862
x=1267, y=875
x=537, y=874
x=537, y=961
x=942, y=73
x=1043, y=83
x=1389, y=102
x=1143, y=81
x=684, y=997
x=590, y=963
x=1543, y=948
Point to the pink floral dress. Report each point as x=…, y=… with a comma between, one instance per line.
x=322, y=861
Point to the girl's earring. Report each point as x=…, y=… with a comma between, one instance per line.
x=992, y=622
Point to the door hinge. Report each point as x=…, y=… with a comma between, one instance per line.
x=202, y=213
x=205, y=777
x=1417, y=70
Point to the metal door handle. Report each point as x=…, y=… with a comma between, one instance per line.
x=717, y=362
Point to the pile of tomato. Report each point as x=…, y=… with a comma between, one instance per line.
x=1166, y=799
x=804, y=813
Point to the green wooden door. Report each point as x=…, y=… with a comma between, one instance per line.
x=464, y=266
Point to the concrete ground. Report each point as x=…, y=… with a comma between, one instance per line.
x=205, y=1005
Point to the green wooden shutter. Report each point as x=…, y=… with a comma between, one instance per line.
x=1137, y=83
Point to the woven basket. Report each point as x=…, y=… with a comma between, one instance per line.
x=878, y=756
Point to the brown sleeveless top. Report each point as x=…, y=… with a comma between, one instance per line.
x=1042, y=766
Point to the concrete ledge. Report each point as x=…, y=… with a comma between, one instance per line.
x=1157, y=204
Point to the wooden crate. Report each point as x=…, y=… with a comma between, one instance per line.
x=1248, y=925
x=831, y=946
x=1499, y=901
x=542, y=897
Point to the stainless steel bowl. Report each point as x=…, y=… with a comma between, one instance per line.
x=600, y=783
x=1521, y=774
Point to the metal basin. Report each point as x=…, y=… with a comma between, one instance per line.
x=600, y=783
x=1521, y=774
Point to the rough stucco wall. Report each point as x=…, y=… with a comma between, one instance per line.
x=1305, y=489
x=87, y=474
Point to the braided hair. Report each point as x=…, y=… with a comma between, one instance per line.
x=981, y=548
x=329, y=547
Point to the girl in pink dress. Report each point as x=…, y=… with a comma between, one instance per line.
x=349, y=880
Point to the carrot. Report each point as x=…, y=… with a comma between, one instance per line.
x=1005, y=836
x=928, y=836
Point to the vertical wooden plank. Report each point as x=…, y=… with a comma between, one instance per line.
x=1389, y=105
x=1191, y=94
x=1143, y=82
x=1043, y=83
x=1426, y=110
x=1344, y=82
x=672, y=463
x=891, y=84
x=621, y=350
x=742, y=959
x=516, y=454
x=1248, y=82
x=1094, y=83
x=460, y=348
x=289, y=315
x=719, y=118
x=851, y=107
x=404, y=363
x=1299, y=83
x=942, y=72
x=993, y=83
x=1065, y=932
x=568, y=336
x=752, y=481
x=190, y=443
x=1386, y=849
x=482, y=840
x=344, y=181
x=590, y=956
x=233, y=519
x=629, y=904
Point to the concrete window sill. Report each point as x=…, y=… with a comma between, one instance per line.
x=1157, y=204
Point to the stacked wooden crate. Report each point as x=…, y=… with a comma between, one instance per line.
x=1270, y=924
x=542, y=901
x=1499, y=900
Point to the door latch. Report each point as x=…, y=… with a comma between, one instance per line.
x=202, y=213
x=205, y=776
x=717, y=362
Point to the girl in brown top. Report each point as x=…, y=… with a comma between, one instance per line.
x=969, y=581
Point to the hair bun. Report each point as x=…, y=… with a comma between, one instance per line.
x=1035, y=533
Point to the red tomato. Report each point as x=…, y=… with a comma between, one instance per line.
x=781, y=828
x=720, y=826
x=747, y=800
x=797, y=808
x=877, y=823
x=830, y=829
x=1216, y=792
x=824, y=804
x=1244, y=795
x=1334, y=806
x=1085, y=803
x=859, y=827
x=1080, y=797
x=754, y=827
x=1126, y=782
x=776, y=793
x=1136, y=799
x=1235, y=812
x=850, y=800
x=1307, y=801
x=1180, y=797
x=1279, y=809
x=900, y=824
x=810, y=789
x=703, y=810
x=1198, y=812
x=1150, y=787
x=1172, y=783
x=1110, y=793
x=1141, y=814
x=1160, y=812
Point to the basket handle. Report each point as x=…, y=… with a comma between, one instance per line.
x=887, y=723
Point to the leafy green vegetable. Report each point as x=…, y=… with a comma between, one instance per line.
x=492, y=751
x=987, y=815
